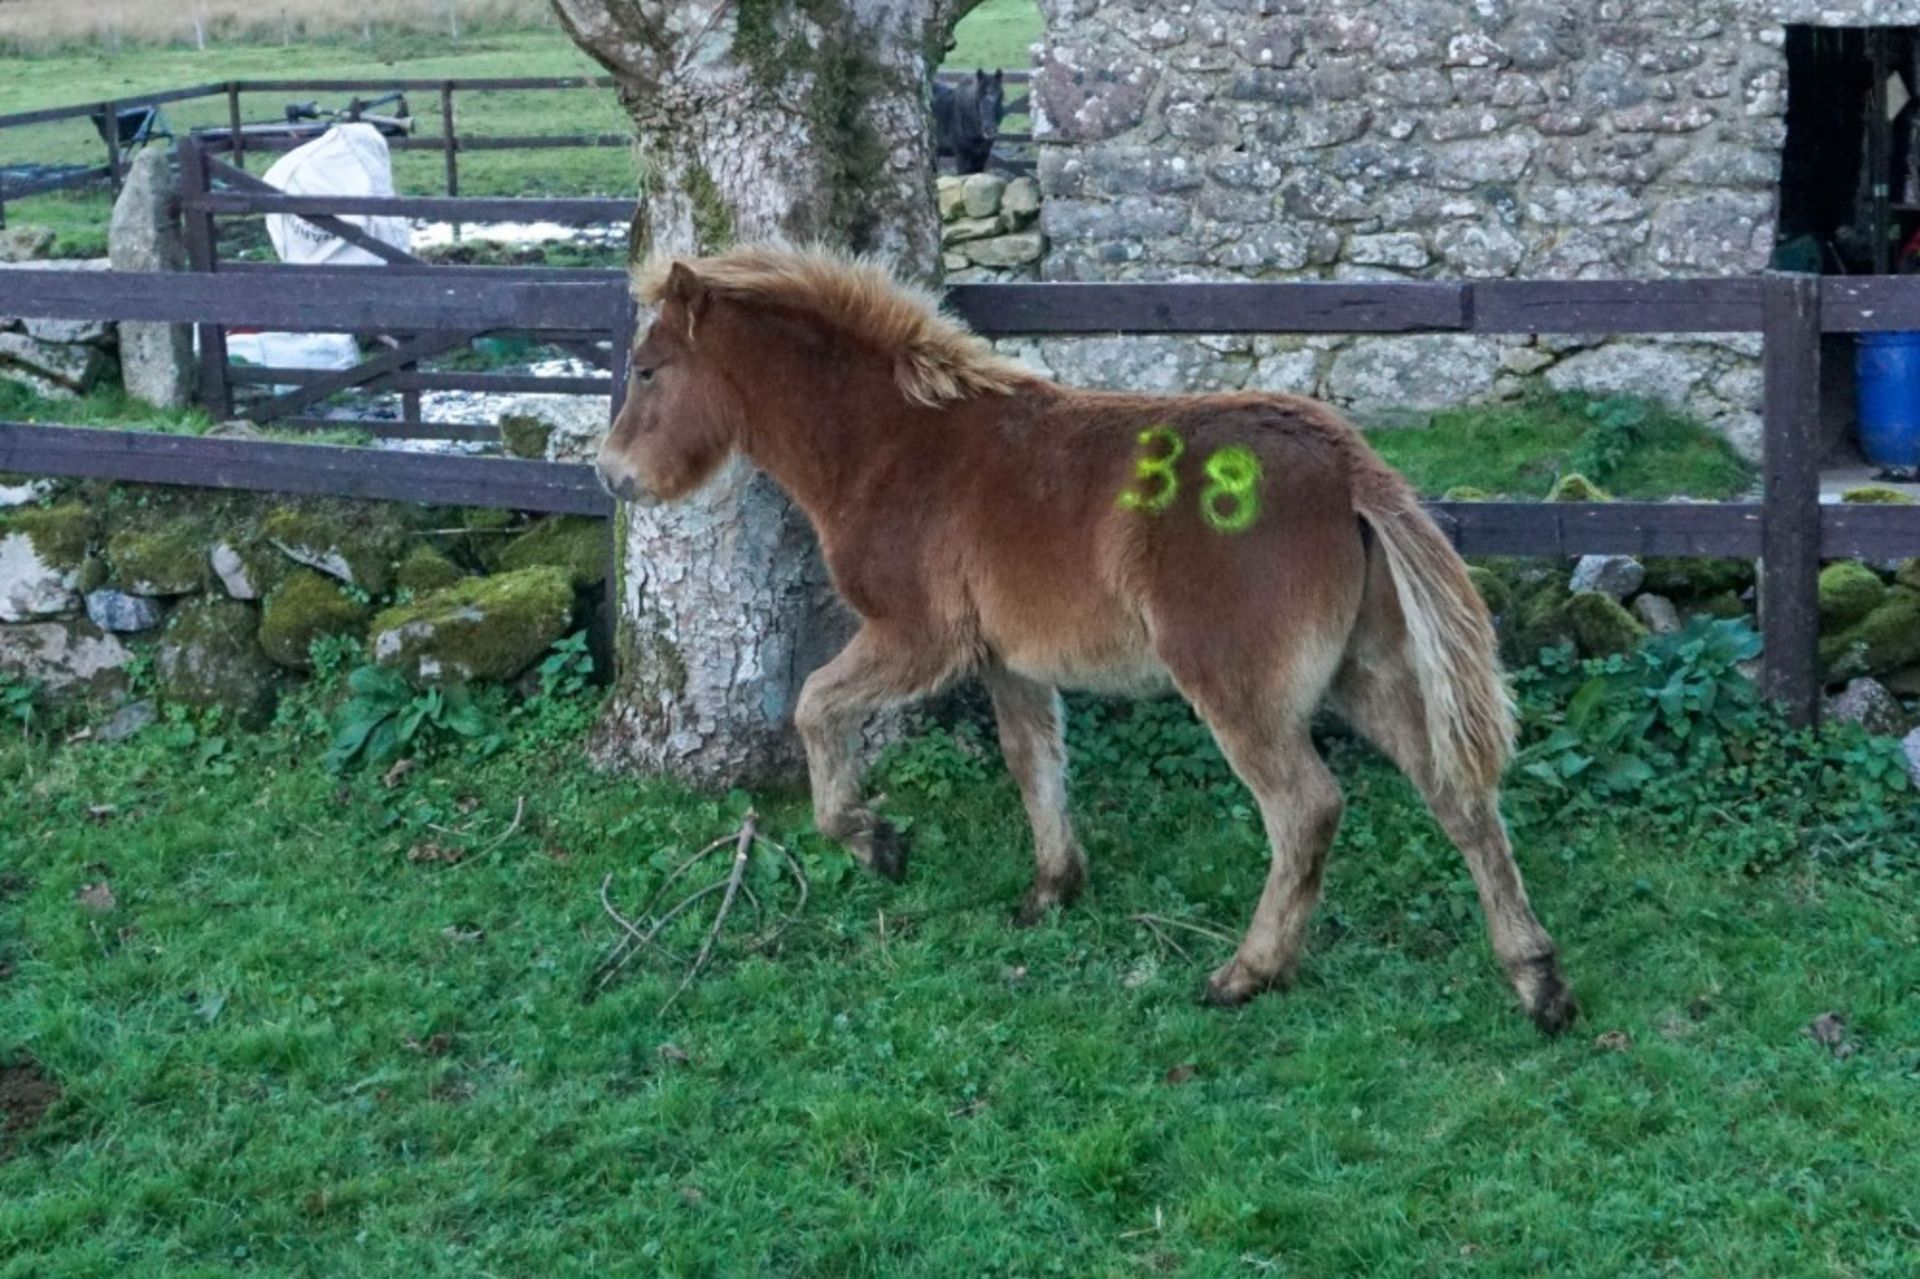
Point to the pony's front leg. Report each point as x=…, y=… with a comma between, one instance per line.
x=876, y=670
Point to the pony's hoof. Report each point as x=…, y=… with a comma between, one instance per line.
x=1062, y=891
x=1033, y=911
x=885, y=851
x=1550, y=1003
x=1232, y=984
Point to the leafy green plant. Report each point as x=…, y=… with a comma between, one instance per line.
x=1618, y=427
x=19, y=701
x=385, y=715
x=567, y=669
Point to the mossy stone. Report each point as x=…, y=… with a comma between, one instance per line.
x=488, y=534
x=303, y=608
x=1908, y=574
x=1465, y=493
x=1725, y=605
x=525, y=435
x=1848, y=592
x=484, y=628
x=1492, y=588
x=424, y=569
x=167, y=559
x=1535, y=617
x=59, y=534
x=210, y=655
x=1884, y=640
x=359, y=555
x=1876, y=495
x=1575, y=487
x=576, y=543
x=92, y=575
x=1686, y=579
x=1600, y=626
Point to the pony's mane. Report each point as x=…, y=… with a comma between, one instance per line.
x=936, y=359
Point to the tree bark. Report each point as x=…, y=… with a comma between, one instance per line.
x=803, y=120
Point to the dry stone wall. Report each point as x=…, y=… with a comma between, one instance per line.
x=1419, y=139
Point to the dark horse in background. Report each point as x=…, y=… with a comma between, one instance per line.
x=966, y=119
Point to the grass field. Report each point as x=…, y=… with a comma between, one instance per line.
x=319, y=1025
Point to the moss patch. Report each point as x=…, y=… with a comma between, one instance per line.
x=305, y=607
x=1465, y=493
x=489, y=628
x=1876, y=495
x=525, y=435
x=1885, y=639
x=1693, y=579
x=1848, y=592
x=1492, y=588
x=1575, y=487
x=59, y=534
x=574, y=543
x=1600, y=626
x=425, y=569
x=167, y=559
x=209, y=656
x=360, y=555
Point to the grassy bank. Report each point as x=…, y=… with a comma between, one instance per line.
x=257, y=1017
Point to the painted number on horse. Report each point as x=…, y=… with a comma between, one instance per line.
x=1230, y=502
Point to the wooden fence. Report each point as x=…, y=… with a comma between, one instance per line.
x=1789, y=531
x=447, y=138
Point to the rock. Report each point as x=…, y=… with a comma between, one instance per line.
x=113, y=610
x=1718, y=233
x=425, y=569
x=1884, y=640
x=54, y=370
x=126, y=721
x=1693, y=579
x=488, y=628
x=1075, y=103
x=1387, y=381
x=361, y=557
x=1907, y=573
x=1848, y=592
x=1575, y=487
x=1021, y=200
x=1017, y=249
x=1480, y=250
x=1615, y=576
x=238, y=572
x=1910, y=746
x=1867, y=703
x=156, y=360
x=524, y=435
x=42, y=551
x=167, y=559
x=1402, y=250
x=301, y=610
x=64, y=656
x=1618, y=368
x=962, y=230
x=1600, y=626
x=28, y=493
x=580, y=546
x=25, y=243
x=980, y=193
x=1657, y=614
x=952, y=198
x=209, y=657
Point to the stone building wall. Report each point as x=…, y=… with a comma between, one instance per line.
x=1419, y=139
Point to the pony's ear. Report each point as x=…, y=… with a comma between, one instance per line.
x=996, y=78
x=687, y=288
x=980, y=75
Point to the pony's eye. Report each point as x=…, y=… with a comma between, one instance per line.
x=643, y=375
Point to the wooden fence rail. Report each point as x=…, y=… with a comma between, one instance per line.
x=1788, y=531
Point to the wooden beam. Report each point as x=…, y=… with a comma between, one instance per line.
x=1791, y=528
x=1006, y=309
x=573, y=212
x=332, y=380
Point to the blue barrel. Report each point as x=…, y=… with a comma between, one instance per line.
x=1887, y=385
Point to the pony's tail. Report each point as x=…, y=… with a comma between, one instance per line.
x=1449, y=635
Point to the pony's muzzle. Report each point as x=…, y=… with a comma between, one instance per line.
x=623, y=486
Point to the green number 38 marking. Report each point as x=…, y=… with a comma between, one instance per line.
x=1230, y=501
x=1155, y=471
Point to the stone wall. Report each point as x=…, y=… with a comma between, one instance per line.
x=225, y=593
x=58, y=359
x=1418, y=139
x=988, y=228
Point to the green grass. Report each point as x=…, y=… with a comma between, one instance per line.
x=1519, y=449
x=998, y=33
x=289, y=1049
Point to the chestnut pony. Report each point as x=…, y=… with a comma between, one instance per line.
x=1249, y=550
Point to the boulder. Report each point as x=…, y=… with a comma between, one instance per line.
x=1020, y=202
x=166, y=559
x=1657, y=614
x=576, y=544
x=64, y=656
x=113, y=610
x=126, y=721
x=961, y=230
x=425, y=569
x=1910, y=746
x=1884, y=640
x=1600, y=626
x=302, y=609
x=980, y=193
x=156, y=360
x=951, y=195
x=1615, y=576
x=1848, y=592
x=42, y=551
x=1575, y=487
x=358, y=556
x=1866, y=702
x=210, y=656
x=1017, y=249
x=484, y=628
x=1693, y=579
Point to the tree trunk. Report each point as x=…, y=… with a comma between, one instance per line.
x=804, y=120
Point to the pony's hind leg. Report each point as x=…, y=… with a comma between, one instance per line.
x=874, y=671
x=1379, y=695
x=1033, y=740
x=1300, y=805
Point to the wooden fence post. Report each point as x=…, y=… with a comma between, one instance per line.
x=203, y=251
x=449, y=147
x=237, y=149
x=1790, y=518
x=112, y=132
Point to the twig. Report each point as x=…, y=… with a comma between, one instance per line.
x=1202, y=929
x=739, y=872
x=519, y=812
x=1163, y=938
